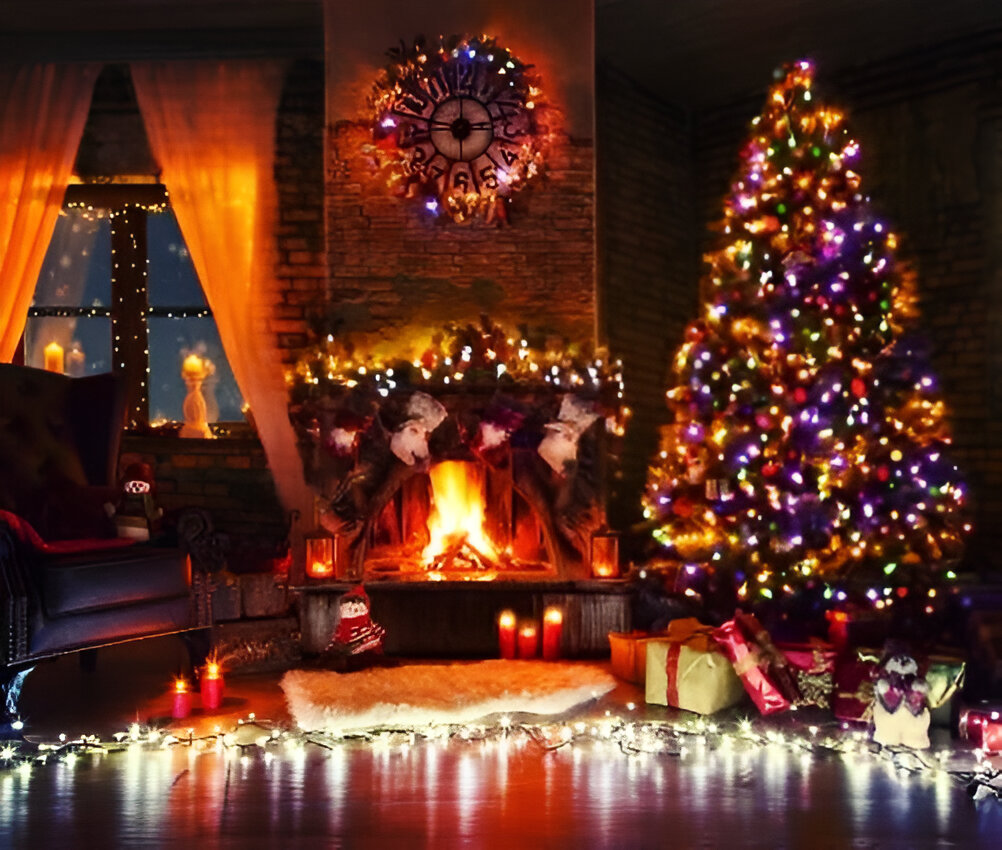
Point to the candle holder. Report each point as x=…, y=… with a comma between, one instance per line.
x=605, y=554
x=319, y=556
x=194, y=371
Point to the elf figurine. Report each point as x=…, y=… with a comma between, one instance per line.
x=355, y=632
x=900, y=710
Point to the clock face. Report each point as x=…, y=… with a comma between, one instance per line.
x=462, y=126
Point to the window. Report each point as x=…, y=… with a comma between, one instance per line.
x=118, y=292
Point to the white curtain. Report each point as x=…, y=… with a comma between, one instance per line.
x=43, y=109
x=211, y=126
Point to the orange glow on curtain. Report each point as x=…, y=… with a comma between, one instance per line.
x=42, y=113
x=211, y=126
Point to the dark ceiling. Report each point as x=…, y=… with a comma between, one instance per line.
x=693, y=53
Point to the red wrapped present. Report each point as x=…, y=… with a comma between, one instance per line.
x=854, y=695
x=687, y=670
x=982, y=726
x=764, y=671
x=813, y=667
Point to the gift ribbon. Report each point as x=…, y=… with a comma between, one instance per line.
x=686, y=632
x=863, y=694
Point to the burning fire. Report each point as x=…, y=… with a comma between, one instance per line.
x=456, y=522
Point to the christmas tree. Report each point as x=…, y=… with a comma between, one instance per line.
x=808, y=443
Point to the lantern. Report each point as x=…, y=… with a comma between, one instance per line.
x=605, y=554
x=319, y=556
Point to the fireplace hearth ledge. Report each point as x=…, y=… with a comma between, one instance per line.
x=458, y=619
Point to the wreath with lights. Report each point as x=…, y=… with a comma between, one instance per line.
x=458, y=126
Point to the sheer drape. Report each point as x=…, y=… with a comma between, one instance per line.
x=43, y=109
x=211, y=126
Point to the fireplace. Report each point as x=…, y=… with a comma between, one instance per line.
x=480, y=458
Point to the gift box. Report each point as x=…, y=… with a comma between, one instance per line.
x=982, y=726
x=762, y=668
x=813, y=667
x=945, y=676
x=687, y=670
x=628, y=654
x=853, y=698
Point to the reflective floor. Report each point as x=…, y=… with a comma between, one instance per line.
x=506, y=792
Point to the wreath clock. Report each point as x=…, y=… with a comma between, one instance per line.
x=460, y=125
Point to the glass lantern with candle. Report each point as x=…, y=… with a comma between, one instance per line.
x=605, y=554
x=320, y=556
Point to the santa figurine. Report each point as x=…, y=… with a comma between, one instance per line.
x=355, y=632
x=900, y=709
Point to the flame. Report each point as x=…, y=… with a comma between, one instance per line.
x=458, y=509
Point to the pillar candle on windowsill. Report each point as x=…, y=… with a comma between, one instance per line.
x=181, y=707
x=553, y=629
x=528, y=641
x=212, y=686
x=506, y=634
x=53, y=357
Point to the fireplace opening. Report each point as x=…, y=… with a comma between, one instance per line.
x=460, y=520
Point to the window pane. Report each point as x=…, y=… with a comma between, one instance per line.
x=76, y=271
x=85, y=343
x=172, y=278
x=171, y=340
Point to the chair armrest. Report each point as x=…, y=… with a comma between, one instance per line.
x=16, y=594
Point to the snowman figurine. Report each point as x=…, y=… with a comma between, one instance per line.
x=355, y=632
x=900, y=710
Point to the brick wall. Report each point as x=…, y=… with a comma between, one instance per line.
x=930, y=128
x=395, y=265
x=647, y=261
x=299, y=156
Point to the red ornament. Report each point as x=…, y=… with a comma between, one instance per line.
x=858, y=387
x=883, y=473
x=800, y=395
x=682, y=507
x=770, y=469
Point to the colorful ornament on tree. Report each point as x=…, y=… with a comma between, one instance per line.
x=812, y=399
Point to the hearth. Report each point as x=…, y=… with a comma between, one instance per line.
x=480, y=458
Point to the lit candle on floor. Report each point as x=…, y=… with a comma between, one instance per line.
x=212, y=686
x=506, y=634
x=53, y=357
x=528, y=642
x=181, y=707
x=553, y=629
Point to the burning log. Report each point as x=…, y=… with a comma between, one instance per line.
x=460, y=554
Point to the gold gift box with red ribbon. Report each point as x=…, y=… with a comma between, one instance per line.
x=687, y=670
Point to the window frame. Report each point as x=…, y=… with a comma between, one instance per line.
x=129, y=204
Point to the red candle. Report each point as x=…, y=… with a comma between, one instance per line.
x=181, y=707
x=553, y=628
x=528, y=642
x=212, y=686
x=506, y=634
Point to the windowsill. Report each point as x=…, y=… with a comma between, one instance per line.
x=228, y=435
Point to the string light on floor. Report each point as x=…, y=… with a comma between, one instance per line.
x=692, y=742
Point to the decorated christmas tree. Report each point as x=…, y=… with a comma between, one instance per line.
x=809, y=444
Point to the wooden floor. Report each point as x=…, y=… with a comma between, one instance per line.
x=505, y=793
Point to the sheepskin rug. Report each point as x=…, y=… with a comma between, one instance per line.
x=417, y=694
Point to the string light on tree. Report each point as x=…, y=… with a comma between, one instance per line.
x=808, y=442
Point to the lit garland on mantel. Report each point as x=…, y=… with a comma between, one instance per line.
x=483, y=356
x=691, y=740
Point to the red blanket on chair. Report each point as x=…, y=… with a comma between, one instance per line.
x=29, y=537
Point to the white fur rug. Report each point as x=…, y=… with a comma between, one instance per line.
x=418, y=694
